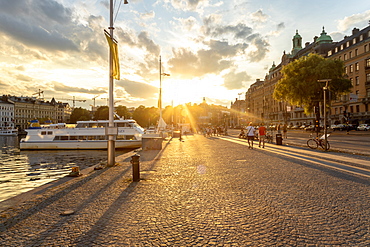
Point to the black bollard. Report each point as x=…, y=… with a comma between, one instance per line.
x=135, y=161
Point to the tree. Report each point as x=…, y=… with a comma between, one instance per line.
x=122, y=111
x=146, y=117
x=102, y=113
x=79, y=114
x=299, y=83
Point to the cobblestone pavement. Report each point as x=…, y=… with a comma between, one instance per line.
x=198, y=192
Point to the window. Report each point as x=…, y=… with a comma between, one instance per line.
x=354, y=41
x=368, y=93
x=351, y=68
x=346, y=70
x=336, y=49
x=350, y=54
x=357, y=92
x=357, y=66
x=330, y=53
x=357, y=81
x=341, y=47
x=351, y=79
x=347, y=43
x=356, y=52
x=345, y=57
x=351, y=108
x=357, y=108
x=367, y=63
x=365, y=48
x=361, y=37
x=367, y=77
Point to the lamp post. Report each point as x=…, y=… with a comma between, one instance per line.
x=111, y=131
x=160, y=87
x=325, y=88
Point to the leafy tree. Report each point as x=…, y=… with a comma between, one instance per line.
x=299, y=84
x=146, y=116
x=79, y=114
x=102, y=113
x=122, y=111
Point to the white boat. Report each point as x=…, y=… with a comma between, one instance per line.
x=8, y=132
x=84, y=135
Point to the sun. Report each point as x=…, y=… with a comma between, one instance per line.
x=178, y=92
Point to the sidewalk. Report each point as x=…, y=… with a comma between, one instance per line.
x=196, y=192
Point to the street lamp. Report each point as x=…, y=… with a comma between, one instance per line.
x=325, y=117
x=160, y=88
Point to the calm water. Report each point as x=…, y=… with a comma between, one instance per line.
x=21, y=171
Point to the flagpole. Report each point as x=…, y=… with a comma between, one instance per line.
x=160, y=88
x=111, y=142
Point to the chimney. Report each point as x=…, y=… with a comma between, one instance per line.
x=315, y=38
x=355, y=30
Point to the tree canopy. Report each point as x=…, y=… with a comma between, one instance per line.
x=299, y=83
x=79, y=114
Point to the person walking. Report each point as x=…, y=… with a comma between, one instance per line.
x=261, y=135
x=251, y=132
x=285, y=130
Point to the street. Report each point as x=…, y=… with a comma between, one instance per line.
x=203, y=191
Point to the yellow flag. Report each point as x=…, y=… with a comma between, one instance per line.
x=114, y=49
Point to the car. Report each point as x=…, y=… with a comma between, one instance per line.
x=310, y=128
x=363, y=127
x=295, y=127
x=340, y=127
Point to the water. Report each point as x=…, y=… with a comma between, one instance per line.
x=21, y=171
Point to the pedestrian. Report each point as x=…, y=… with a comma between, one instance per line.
x=261, y=135
x=285, y=130
x=278, y=128
x=251, y=132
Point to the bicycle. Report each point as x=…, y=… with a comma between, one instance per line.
x=313, y=143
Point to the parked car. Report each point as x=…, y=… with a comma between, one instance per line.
x=363, y=127
x=310, y=128
x=295, y=127
x=339, y=127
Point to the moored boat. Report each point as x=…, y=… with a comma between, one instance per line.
x=8, y=132
x=85, y=135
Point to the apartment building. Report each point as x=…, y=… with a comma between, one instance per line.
x=28, y=108
x=354, y=50
x=6, y=113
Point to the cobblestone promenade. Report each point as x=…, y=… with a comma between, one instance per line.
x=199, y=192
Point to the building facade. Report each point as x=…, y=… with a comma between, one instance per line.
x=354, y=50
x=29, y=108
x=6, y=113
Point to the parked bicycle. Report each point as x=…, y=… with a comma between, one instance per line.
x=314, y=142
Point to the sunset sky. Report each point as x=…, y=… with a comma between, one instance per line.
x=212, y=49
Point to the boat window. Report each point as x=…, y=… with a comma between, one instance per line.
x=50, y=132
x=64, y=138
x=101, y=137
x=73, y=138
x=121, y=124
x=82, y=138
x=120, y=137
x=57, y=138
x=130, y=137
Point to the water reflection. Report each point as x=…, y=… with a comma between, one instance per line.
x=21, y=171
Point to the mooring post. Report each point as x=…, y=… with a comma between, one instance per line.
x=135, y=161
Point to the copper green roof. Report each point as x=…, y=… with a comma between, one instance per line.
x=324, y=38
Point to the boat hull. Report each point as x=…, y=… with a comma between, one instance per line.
x=75, y=145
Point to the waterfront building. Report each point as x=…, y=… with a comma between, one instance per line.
x=6, y=113
x=29, y=108
x=354, y=50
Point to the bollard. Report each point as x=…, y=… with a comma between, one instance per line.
x=135, y=161
x=75, y=172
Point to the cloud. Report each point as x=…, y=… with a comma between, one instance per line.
x=148, y=44
x=234, y=80
x=205, y=61
x=25, y=78
x=188, y=4
x=138, y=89
x=239, y=31
x=360, y=19
x=147, y=15
x=60, y=87
x=261, y=48
x=259, y=17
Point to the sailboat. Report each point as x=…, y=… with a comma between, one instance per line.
x=161, y=123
